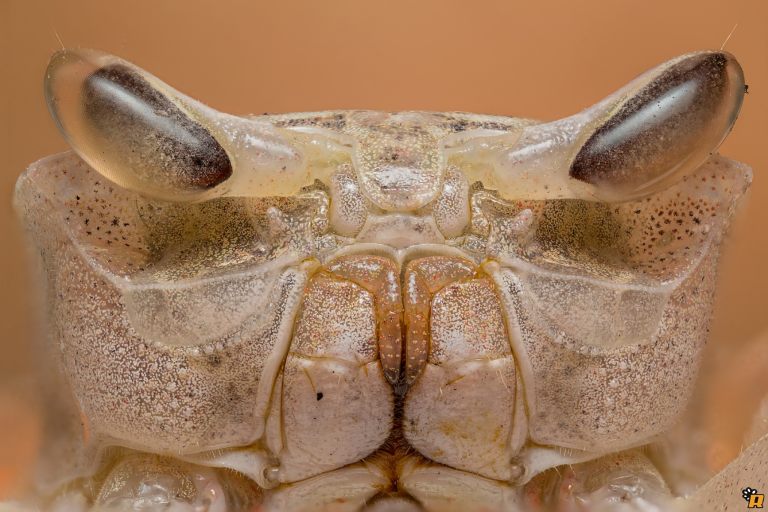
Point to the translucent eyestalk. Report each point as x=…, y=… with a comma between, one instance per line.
x=642, y=139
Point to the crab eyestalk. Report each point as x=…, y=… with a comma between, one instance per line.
x=147, y=137
x=650, y=134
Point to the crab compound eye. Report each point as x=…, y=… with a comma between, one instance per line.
x=636, y=142
x=123, y=125
x=663, y=130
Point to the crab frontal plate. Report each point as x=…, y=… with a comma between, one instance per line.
x=398, y=311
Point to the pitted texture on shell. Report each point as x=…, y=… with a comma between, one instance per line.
x=648, y=241
x=349, y=208
x=135, y=386
x=451, y=208
x=598, y=399
x=460, y=411
x=399, y=159
x=366, y=309
x=158, y=397
x=335, y=407
x=290, y=371
x=611, y=306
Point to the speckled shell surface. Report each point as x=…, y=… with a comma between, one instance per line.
x=415, y=310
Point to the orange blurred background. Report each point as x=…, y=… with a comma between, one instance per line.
x=530, y=59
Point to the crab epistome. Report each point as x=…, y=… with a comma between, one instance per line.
x=357, y=310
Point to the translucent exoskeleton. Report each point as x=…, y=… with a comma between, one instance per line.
x=372, y=311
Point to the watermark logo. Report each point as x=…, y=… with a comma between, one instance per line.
x=753, y=498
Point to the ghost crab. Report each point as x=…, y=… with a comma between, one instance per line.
x=356, y=310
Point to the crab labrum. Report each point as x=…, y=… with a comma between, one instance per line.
x=359, y=310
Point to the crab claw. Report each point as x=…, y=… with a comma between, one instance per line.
x=648, y=135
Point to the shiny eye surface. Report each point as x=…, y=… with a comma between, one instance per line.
x=129, y=130
x=120, y=105
x=665, y=129
x=637, y=141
